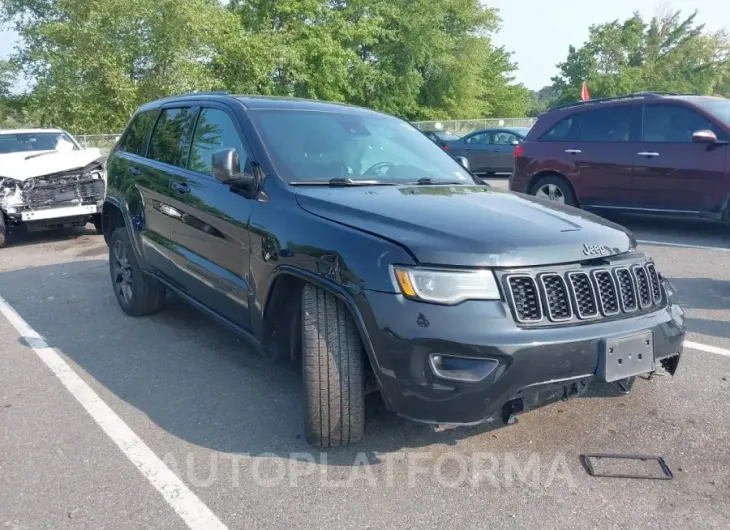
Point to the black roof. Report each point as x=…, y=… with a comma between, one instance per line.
x=625, y=97
x=263, y=102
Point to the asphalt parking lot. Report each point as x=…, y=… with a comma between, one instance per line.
x=89, y=442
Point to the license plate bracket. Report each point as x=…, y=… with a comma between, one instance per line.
x=625, y=357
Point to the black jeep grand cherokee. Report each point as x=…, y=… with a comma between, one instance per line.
x=346, y=240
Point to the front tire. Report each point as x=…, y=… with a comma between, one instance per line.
x=137, y=294
x=554, y=188
x=332, y=369
x=97, y=224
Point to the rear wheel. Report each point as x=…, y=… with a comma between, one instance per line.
x=332, y=369
x=3, y=231
x=136, y=293
x=556, y=189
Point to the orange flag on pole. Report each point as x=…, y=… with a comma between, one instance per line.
x=584, y=95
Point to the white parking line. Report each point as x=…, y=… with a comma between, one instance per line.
x=707, y=348
x=680, y=245
x=186, y=504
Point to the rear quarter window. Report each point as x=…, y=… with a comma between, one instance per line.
x=134, y=140
x=563, y=131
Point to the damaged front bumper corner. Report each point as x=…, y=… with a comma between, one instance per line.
x=58, y=199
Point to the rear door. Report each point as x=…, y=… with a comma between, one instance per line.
x=167, y=152
x=502, y=149
x=599, y=150
x=670, y=171
x=210, y=237
x=475, y=148
x=129, y=173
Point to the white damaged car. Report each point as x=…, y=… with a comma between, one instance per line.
x=48, y=181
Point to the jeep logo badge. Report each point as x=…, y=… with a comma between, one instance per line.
x=593, y=250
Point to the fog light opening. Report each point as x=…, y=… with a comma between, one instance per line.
x=461, y=368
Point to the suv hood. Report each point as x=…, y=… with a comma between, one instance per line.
x=471, y=226
x=19, y=167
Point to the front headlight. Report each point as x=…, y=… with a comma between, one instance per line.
x=446, y=287
x=8, y=183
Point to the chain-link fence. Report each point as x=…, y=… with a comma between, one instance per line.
x=462, y=127
x=104, y=142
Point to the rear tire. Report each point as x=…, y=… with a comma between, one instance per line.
x=332, y=369
x=137, y=294
x=3, y=231
x=554, y=188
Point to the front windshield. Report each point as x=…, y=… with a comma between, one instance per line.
x=319, y=146
x=38, y=141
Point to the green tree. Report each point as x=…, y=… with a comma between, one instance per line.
x=94, y=62
x=541, y=100
x=669, y=53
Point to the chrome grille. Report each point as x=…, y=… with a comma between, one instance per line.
x=584, y=294
x=642, y=286
x=525, y=298
x=58, y=191
x=607, y=293
x=627, y=290
x=556, y=297
x=656, y=288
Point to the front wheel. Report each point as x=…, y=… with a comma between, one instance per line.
x=97, y=224
x=555, y=189
x=136, y=293
x=332, y=368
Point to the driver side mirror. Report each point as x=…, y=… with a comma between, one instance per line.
x=463, y=161
x=226, y=168
x=515, y=142
x=705, y=136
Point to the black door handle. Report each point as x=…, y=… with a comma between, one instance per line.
x=134, y=171
x=181, y=187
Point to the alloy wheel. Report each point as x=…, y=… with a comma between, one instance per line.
x=122, y=272
x=551, y=192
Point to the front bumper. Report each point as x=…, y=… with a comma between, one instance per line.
x=59, y=213
x=529, y=362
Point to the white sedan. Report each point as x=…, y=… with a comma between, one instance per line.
x=48, y=181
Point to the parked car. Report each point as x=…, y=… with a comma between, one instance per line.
x=650, y=153
x=441, y=138
x=367, y=254
x=488, y=151
x=48, y=181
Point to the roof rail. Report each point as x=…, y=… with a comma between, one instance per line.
x=635, y=95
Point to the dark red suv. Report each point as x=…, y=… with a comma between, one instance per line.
x=654, y=153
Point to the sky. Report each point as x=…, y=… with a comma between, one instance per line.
x=538, y=32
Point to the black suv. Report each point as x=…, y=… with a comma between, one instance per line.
x=345, y=240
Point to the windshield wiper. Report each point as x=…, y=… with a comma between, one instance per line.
x=428, y=181
x=341, y=182
x=44, y=153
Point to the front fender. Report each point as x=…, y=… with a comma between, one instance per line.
x=133, y=222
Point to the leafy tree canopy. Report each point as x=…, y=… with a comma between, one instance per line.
x=669, y=53
x=93, y=63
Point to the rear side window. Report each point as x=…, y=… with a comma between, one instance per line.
x=606, y=125
x=563, y=131
x=478, y=139
x=135, y=140
x=170, y=140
